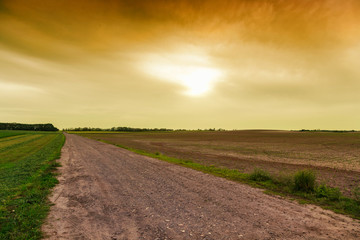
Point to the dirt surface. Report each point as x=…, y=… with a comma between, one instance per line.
x=335, y=157
x=106, y=192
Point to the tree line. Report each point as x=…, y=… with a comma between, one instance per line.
x=30, y=127
x=130, y=129
x=324, y=130
x=118, y=129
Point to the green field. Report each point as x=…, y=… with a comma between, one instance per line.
x=8, y=133
x=26, y=177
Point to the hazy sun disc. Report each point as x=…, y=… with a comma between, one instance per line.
x=191, y=71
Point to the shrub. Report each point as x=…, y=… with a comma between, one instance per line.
x=356, y=193
x=304, y=181
x=259, y=175
x=330, y=193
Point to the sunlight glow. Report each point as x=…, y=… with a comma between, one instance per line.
x=194, y=72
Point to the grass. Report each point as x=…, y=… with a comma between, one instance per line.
x=26, y=177
x=259, y=175
x=356, y=193
x=9, y=133
x=300, y=186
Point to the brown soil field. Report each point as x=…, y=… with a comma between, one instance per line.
x=334, y=156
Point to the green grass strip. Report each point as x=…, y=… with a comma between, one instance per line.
x=9, y=133
x=16, y=143
x=25, y=149
x=323, y=196
x=24, y=187
x=11, y=138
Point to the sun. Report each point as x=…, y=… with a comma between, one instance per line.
x=198, y=80
x=192, y=72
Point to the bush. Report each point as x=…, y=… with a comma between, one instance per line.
x=284, y=180
x=330, y=193
x=356, y=193
x=259, y=175
x=304, y=181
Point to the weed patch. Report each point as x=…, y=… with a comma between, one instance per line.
x=356, y=193
x=323, y=191
x=304, y=181
x=259, y=175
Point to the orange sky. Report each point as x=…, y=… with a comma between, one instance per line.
x=181, y=64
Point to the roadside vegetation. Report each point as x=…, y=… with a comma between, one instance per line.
x=27, y=163
x=300, y=186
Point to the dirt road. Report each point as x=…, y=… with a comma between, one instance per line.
x=106, y=192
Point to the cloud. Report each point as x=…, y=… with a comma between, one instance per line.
x=11, y=88
x=188, y=67
x=89, y=58
x=61, y=28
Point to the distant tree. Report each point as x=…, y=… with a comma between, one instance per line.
x=119, y=129
x=29, y=127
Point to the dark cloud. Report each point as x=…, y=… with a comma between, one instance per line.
x=97, y=25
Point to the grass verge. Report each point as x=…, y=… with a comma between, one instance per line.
x=300, y=187
x=25, y=183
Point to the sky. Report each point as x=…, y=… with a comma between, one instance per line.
x=232, y=64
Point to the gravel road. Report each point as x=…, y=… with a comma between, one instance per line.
x=106, y=192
